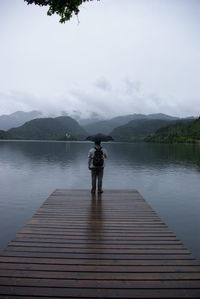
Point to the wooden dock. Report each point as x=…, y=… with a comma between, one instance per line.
x=111, y=246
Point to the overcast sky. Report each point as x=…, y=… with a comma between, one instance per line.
x=122, y=57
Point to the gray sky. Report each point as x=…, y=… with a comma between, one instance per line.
x=125, y=56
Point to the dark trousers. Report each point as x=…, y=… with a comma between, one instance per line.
x=97, y=175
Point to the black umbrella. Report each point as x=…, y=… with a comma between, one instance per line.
x=99, y=137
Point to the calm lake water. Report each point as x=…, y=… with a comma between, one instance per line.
x=167, y=176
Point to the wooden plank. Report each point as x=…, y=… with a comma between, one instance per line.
x=102, y=293
x=100, y=275
x=125, y=243
x=85, y=237
x=64, y=226
x=114, y=246
x=115, y=284
x=101, y=268
x=104, y=262
x=99, y=256
x=97, y=246
x=97, y=250
x=94, y=232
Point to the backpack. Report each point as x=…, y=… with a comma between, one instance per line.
x=98, y=159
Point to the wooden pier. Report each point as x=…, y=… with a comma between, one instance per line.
x=111, y=246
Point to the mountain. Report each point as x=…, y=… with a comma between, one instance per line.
x=138, y=129
x=184, y=131
x=162, y=116
x=107, y=126
x=17, y=119
x=91, y=118
x=61, y=127
x=104, y=126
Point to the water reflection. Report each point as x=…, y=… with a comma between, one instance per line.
x=155, y=154
x=96, y=220
x=127, y=153
x=49, y=152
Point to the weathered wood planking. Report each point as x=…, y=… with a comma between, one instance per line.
x=113, y=246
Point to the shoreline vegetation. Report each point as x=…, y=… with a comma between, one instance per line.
x=185, y=132
x=141, y=128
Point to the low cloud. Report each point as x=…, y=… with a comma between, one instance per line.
x=103, y=84
x=12, y=101
x=125, y=98
x=132, y=87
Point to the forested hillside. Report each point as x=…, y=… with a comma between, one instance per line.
x=137, y=130
x=180, y=132
x=5, y=135
x=50, y=129
x=107, y=126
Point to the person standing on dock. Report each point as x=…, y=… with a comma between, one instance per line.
x=96, y=163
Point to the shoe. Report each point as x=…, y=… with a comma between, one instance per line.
x=100, y=191
x=93, y=192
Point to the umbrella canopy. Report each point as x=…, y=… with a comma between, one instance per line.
x=99, y=137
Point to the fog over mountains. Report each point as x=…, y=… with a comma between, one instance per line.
x=18, y=118
x=107, y=126
x=34, y=125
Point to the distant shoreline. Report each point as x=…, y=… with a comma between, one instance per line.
x=87, y=141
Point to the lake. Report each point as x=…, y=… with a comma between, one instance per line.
x=167, y=176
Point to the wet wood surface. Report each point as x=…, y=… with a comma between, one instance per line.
x=109, y=246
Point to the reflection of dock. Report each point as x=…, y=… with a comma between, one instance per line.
x=114, y=246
